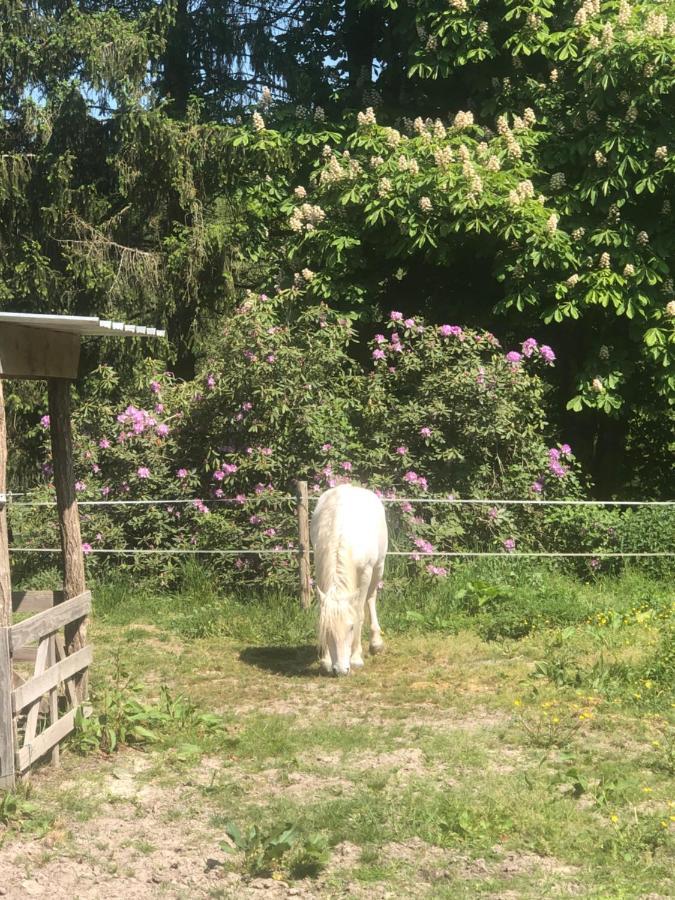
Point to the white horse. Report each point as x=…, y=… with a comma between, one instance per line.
x=349, y=537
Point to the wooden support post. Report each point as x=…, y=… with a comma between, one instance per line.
x=5, y=580
x=303, y=543
x=6, y=718
x=69, y=518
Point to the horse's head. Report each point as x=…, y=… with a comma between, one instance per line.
x=337, y=621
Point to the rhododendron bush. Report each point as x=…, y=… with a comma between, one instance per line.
x=435, y=411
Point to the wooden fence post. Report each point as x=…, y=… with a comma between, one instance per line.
x=6, y=718
x=58, y=390
x=302, y=497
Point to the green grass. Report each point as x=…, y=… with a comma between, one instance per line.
x=515, y=736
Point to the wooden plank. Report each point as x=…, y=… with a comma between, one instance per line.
x=7, y=779
x=50, y=620
x=34, y=711
x=39, y=745
x=38, y=353
x=25, y=654
x=303, y=543
x=60, y=650
x=53, y=700
x=35, y=601
x=35, y=687
x=74, y=584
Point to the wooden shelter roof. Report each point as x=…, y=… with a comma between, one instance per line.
x=80, y=325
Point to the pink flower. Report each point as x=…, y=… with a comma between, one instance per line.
x=422, y=482
x=182, y=473
x=565, y=449
x=143, y=472
x=326, y=447
x=159, y=407
x=266, y=451
x=451, y=331
x=425, y=432
x=347, y=466
x=255, y=520
x=528, y=347
x=424, y=546
x=218, y=493
x=247, y=407
x=411, y=477
x=155, y=387
x=44, y=421
x=396, y=316
x=378, y=354
x=270, y=532
x=493, y=512
x=200, y=507
x=105, y=491
x=409, y=323
x=380, y=339
x=219, y=475
x=80, y=486
x=396, y=338
x=162, y=430
x=104, y=443
x=240, y=499
x=547, y=354
x=271, y=358
x=401, y=450
x=440, y=571
x=86, y=548
x=230, y=468
x=210, y=382
x=96, y=468
x=536, y=487
x=513, y=357
x=509, y=545
x=554, y=453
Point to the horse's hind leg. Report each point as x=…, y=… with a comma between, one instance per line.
x=376, y=642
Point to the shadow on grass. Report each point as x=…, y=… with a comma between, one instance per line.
x=293, y=661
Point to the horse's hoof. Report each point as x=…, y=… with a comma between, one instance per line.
x=377, y=648
x=356, y=662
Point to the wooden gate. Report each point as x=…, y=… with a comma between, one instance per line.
x=44, y=704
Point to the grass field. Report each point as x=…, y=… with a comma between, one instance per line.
x=514, y=740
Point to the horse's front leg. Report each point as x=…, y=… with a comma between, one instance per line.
x=376, y=642
x=357, y=654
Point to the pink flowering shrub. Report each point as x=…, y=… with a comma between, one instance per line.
x=444, y=413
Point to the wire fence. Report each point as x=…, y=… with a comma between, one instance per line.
x=411, y=554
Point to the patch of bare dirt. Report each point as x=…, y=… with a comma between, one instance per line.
x=294, y=785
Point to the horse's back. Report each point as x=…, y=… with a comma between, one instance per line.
x=353, y=518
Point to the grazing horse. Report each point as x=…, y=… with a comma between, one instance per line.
x=349, y=537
